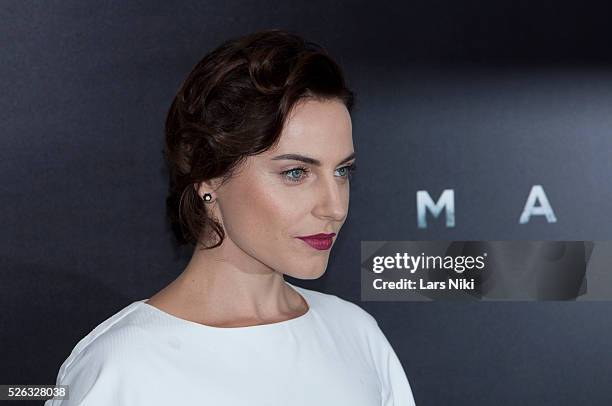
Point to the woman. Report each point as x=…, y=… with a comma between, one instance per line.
x=260, y=154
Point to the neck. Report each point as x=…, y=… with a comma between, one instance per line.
x=225, y=286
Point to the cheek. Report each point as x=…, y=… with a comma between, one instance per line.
x=261, y=214
x=280, y=215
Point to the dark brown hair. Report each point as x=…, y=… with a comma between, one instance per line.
x=233, y=105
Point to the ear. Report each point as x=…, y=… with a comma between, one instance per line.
x=206, y=186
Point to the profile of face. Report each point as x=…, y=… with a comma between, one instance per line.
x=272, y=200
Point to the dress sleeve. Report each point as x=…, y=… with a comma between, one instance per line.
x=396, y=390
x=91, y=379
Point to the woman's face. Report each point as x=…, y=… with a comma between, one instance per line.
x=273, y=200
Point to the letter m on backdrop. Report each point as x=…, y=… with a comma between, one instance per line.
x=445, y=202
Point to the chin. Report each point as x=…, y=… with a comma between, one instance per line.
x=309, y=274
x=310, y=277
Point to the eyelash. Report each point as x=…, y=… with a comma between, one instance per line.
x=349, y=174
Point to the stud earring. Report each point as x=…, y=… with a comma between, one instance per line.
x=207, y=197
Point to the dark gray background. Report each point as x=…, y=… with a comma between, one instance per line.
x=487, y=98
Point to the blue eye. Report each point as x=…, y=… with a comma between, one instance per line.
x=293, y=171
x=349, y=170
x=298, y=173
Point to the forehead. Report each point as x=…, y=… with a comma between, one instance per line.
x=319, y=127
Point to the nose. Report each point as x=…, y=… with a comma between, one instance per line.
x=332, y=199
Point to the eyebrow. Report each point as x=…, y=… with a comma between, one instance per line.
x=309, y=160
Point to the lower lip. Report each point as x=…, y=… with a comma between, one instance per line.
x=318, y=243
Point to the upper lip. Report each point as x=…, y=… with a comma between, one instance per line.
x=320, y=235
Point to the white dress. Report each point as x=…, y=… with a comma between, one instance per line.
x=334, y=354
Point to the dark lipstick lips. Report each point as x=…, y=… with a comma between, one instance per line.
x=319, y=241
x=320, y=235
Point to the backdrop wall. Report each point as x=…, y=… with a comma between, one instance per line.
x=486, y=99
